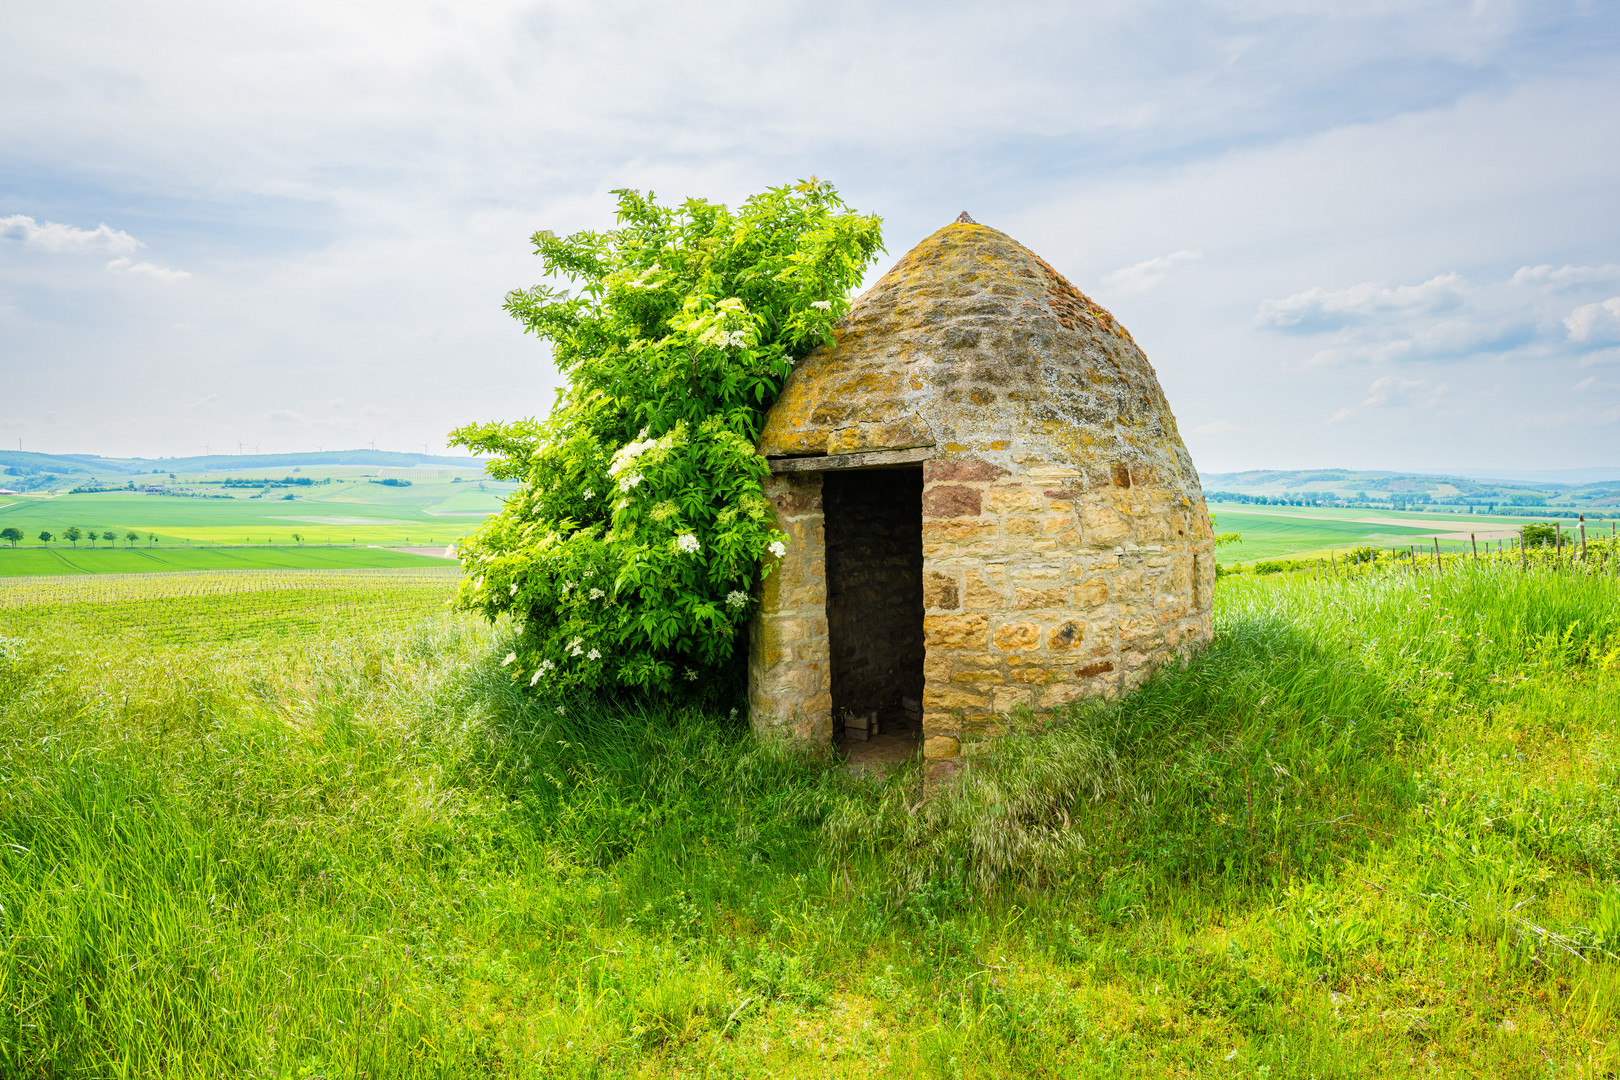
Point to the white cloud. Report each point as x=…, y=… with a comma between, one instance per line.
x=1341, y=415
x=1150, y=273
x=1566, y=275
x=1449, y=318
x=1318, y=309
x=1592, y=382
x=59, y=239
x=205, y=403
x=146, y=269
x=1393, y=391
x=1597, y=323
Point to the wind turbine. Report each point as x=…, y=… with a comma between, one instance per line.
x=208, y=449
x=239, y=445
x=374, y=444
x=320, y=448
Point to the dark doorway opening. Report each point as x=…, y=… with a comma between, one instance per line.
x=873, y=521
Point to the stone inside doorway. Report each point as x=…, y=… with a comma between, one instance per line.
x=873, y=524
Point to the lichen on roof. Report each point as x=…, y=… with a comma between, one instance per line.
x=976, y=346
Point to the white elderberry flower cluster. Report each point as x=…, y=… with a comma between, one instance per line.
x=778, y=548
x=594, y=654
x=687, y=543
x=576, y=647
x=821, y=305
x=691, y=676
x=736, y=598
x=597, y=594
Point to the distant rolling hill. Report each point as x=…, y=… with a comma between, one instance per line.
x=1585, y=491
x=23, y=470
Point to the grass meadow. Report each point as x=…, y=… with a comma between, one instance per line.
x=1373, y=830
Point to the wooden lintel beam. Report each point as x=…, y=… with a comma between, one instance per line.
x=872, y=459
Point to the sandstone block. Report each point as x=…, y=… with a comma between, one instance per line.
x=1069, y=634
x=1102, y=526
x=1004, y=500
x=951, y=501
x=936, y=747
x=1093, y=594
x=961, y=469
x=954, y=697
x=1043, y=599
x=940, y=591
x=1017, y=636
x=955, y=629
x=973, y=677
x=984, y=591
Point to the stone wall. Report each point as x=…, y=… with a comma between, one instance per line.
x=1043, y=584
x=789, y=676
x=874, y=588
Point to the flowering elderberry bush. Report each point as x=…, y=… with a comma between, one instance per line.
x=629, y=552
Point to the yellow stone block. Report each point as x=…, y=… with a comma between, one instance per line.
x=955, y=629
x=1092, y=594
x=1004, y=500
x=938, y=747
x=1017, y=636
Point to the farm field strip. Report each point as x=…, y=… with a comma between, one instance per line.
x=1297, y=531
x=25, y=562
x=346, y=511
x=210, y=607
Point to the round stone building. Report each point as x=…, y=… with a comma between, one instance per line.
x=989, y=503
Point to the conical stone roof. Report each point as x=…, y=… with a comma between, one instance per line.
x=974, y=345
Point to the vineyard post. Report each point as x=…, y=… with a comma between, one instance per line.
x=1558, y=545
x=1437, y=566
x=1524, y=556
x=1411, y=553
x=1583, y=539
x=1474, y=542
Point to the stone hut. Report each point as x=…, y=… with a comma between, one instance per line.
x=989, y=503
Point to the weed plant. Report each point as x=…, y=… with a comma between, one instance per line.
x=1374, y=829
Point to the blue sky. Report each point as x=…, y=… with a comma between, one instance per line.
x=1379, y=235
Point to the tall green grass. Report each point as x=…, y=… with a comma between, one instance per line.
x=1373, y=830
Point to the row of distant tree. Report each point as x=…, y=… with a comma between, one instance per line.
x=73, y=534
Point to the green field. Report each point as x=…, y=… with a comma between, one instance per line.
x=177, y=609
x=26, y=561
x=1273, y=531
x=300, y=824
x=348, y=509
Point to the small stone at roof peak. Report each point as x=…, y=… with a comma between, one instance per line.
x=963, y=219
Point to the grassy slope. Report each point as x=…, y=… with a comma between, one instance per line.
x=349, y=510
x=23, y=561
x=1329, y=848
